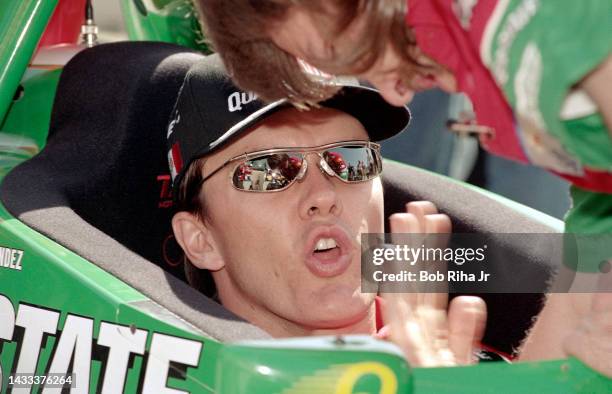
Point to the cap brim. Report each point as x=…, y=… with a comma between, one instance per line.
x=247, y=123
x=380, y=119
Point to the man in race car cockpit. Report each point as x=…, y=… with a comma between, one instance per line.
x=271, y=202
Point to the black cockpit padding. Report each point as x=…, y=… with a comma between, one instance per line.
x=101, y=188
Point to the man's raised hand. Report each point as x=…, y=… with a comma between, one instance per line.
x=419, y=322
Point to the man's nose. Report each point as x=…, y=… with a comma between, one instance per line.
x=320, y=196
x=393, y=90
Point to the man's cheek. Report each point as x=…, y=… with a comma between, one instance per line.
x=371, y=217
x=368, y=201
x=376, y=208
x=246, y=227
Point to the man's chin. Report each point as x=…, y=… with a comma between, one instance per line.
x=354, y=315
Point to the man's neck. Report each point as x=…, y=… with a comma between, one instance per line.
x=280, y=327
x=365, y=326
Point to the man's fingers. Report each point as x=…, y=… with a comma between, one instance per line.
x=437, y=301
x=404, y=223
x=438, y=228
x=438, y=223
x=405, y=230
x=412, y=332
x=418, y=321
x=420, y=209
x=404, y=327
x=466, y=320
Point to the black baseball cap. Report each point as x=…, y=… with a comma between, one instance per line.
x=211, y=110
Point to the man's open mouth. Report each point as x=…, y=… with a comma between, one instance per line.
x=329, y=251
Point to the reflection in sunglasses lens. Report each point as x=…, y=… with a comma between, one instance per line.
x=270, y=172
x=353, y=164
x=277, y=171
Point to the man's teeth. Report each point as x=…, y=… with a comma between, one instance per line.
x=325, y=243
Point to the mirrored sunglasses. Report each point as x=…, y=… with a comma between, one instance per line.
x=277, y=169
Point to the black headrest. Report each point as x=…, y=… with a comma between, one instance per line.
x=104, y=156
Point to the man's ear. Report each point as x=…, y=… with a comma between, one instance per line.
x=196, y=241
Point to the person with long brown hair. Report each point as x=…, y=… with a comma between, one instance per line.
x=538, y=59
x=538, y=74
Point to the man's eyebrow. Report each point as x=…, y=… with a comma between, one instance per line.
x=247, y=150
x=255, y=148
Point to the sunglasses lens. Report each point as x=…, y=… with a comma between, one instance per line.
x=268, y=172
x=354, y=163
